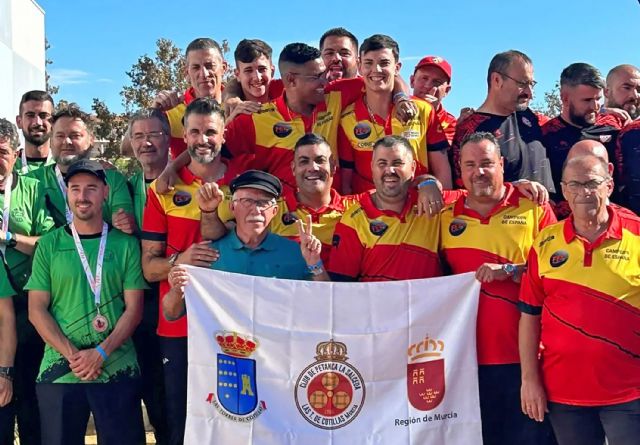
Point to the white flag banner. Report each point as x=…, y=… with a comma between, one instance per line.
x=301, y=362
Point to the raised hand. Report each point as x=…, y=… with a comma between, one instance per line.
x=209, y=197
x=166, y=100
x=310, y=246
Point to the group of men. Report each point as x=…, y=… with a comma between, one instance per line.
x=341, y=171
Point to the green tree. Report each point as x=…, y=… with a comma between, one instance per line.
x=51, y=89
x=551, y=104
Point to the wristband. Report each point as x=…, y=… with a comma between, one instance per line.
x=426, y=182
x=207, y=211
x=316, y=269
x=102, y=353
x=401, y=95
x=7, y=237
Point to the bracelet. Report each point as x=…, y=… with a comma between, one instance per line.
x=7, y=236
x=401, y=95
x=208, y=211
x=426, y=182
x=102, y=353
x=316, y=269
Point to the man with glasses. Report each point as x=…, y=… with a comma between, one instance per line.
x=580, y=301
x=505, y=113
x=581, y=93
x=171, y=235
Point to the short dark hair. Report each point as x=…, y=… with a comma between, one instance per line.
x=380, y=41
x=37, y=95
x=502, y=61
x=297, y=54
x=339, y=32
x=393, y=140
x=74, y=112
x=9, y=131
x=203, y=43
x=310, y=139
x=581, y=74
x=249, y=50
x=205, y=106
x=478, y=137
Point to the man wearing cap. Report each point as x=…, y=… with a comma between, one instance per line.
x=372, y=116
x=251, y=248
x=431, y=81
x=85, y=301
x=72, y=140
x=171, y=235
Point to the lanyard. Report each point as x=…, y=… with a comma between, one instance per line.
x=23, y=157
x=5, y=209
x=94, y=283
x=63, y=190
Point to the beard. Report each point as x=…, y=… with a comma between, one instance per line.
x=203, y=159
x=36, y=140
x=580, y=120
x=67, y=160
x=632, y=107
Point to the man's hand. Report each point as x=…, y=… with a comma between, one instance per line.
x=209, y=197
x=242, y=107
x=619, y=113
x=430, y=201
x=6, y=391
x=166, y=180
x=489, y=272
x=199, y=254
x=533, y=399
x=86, y=364
x=124, y=222
x=166, y=100
x=178, y=278
x=310, y=246
x=405, y=110
x=465, y=113
x=532, y=190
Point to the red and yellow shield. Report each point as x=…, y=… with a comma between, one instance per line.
x=425, y=384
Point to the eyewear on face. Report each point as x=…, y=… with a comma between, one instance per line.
x=521, y=84
x=261, y=204
x=153, y=135
x=577, y=187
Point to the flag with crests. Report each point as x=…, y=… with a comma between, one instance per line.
x=300, y=362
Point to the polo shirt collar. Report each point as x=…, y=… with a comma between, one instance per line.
x=188, y=177
x=336, y=203
x=373, y=212
x=189, y=95
x=269, y=243
x=511, y=198
x=614, y=228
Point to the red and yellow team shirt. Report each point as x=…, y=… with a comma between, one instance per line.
x=357, y=134
x=588, y=296
x=370, y=244
x=266, y=139
x=447, y=124
x=174, y=218
x=505, y=235
x=324, y=220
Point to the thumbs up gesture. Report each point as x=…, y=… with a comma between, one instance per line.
x=310, y=246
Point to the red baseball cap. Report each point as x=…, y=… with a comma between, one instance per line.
x=437, y=62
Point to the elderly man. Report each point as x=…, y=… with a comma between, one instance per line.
x=489, y=230
x=251, y=248
x=85, y=300
x=580, y=301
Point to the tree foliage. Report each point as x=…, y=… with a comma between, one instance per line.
x=51, y=89
x=551, y=104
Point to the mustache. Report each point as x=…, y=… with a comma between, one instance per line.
x=391, y=175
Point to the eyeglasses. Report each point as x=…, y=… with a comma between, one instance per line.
x=152, y=135
x=322, y=77
x=260, y=204
x=521, y=84
x=590, y=186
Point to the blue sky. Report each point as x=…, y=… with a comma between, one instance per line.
x=93, y=44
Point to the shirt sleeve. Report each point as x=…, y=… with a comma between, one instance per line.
x=240, y=136
x=40, y=278
x=531, y=289
x=133, y=279
x=346, y=252
x=546, y=216
x=154, y=221
x=119, y=197
x=276, y=88
x=436, y=139
x=349, y=89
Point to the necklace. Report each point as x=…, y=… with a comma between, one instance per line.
x=373, y=120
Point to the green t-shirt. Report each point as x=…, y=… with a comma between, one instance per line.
x=32, y=164
x=119, y=197
x=6, y=291
x=57, y=269
x=138, y=187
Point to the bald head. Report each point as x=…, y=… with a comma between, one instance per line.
x=623, y=89
x=588, y=147
x=622, y=70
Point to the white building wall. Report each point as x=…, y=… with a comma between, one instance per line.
x=22, y=54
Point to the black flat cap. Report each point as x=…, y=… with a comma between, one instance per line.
x=257, y=179
x=85, y=166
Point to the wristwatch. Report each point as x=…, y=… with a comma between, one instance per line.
x=509, y=269
x=173, y=258
x=6, y=372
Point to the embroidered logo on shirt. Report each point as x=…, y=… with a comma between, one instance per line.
x=362, y=130
x=282, y=129
x=378, y=227
x=289, y=218
x=457, y=226
x=182, y=198
x=558, y=258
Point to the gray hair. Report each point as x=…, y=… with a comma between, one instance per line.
x=9, y=131
x=146, y=114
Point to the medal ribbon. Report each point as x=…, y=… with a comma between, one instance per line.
x=63, y=190
x=5, y=209
x=94, y=283
x=23, y=157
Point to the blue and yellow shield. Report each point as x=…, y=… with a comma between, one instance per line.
x=237, y=390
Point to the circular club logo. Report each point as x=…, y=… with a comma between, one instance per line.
x=330, y=392
x=362, y=130
x=181, y=198
x=289, y=218
x=282, y=129
x=558, y=258
x=457, y=226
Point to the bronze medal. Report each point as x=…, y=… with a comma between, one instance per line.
x=100, y=323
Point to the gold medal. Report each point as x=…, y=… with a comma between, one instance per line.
x=100, y=323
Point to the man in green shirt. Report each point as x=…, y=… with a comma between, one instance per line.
x=85, y=300
x=34, y=119
x=24, y=219
x=71, y=141
x=7, y=356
